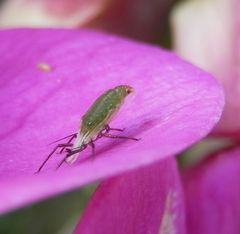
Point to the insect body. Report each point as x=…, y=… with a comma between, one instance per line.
x=94, y=124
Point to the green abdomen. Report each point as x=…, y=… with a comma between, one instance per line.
x=102, y=110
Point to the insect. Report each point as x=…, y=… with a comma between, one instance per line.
x=94, y=125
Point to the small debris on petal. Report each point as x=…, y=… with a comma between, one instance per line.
x=44, y=67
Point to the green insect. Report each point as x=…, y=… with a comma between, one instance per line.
x=94, y=125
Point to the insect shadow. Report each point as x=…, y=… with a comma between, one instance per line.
x=144, y=126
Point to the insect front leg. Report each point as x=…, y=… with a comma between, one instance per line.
x=69, y=141
x=53, y=151
x=71, y=155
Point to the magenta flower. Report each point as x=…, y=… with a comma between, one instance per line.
x=147, y=200
x=211, y=45
x=212, y=193
x=175, y=105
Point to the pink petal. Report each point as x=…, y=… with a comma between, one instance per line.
x=54, y=13
x=141, y=19
x=212, y=195
x=50, y=78
x=147, y=200
x=206, y=33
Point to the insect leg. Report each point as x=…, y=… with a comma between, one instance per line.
x=108, y=128
x=93, y=147
x=105, y=130
x=49, y=156
x=60, y=164
x=119, y=137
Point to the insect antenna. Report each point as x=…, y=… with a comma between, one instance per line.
x=74, y=134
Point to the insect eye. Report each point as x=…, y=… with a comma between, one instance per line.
x=129, y=91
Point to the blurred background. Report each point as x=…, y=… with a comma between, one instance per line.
x=142, y=20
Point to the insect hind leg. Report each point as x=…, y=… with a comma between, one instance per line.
x=119, y=137
x=108, y=129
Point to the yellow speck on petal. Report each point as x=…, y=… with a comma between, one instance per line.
x=44, y=67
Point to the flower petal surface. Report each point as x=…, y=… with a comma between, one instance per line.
x=206, y=32
x=49, y=78
x=147, y=200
